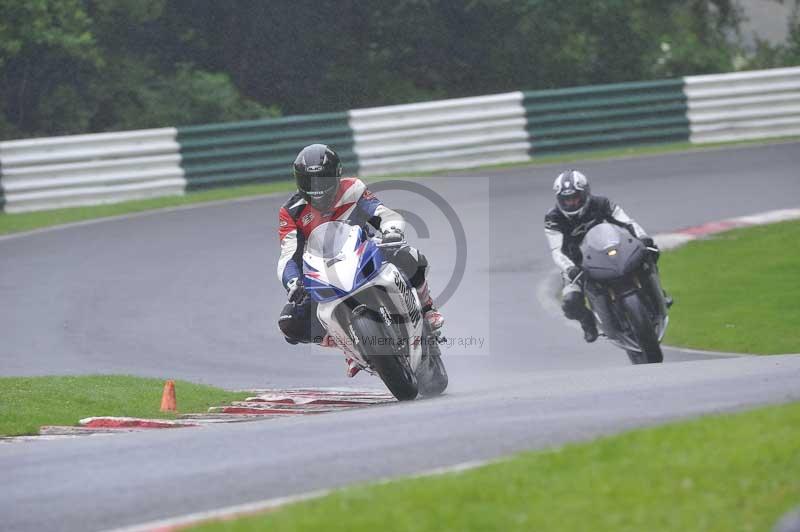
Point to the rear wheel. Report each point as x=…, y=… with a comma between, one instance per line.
x=383, y=350
x=643, y=330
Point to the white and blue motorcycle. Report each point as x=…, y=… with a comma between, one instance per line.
x=371, y=310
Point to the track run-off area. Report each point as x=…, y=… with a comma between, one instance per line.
x=192, y=294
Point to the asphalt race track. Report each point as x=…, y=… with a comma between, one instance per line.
x=193, y=294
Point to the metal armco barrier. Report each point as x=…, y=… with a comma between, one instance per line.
x=445, y=134
x=439, y=135
x=606, y=115
x=76, y=170
x=258, y=150
x=744, y=105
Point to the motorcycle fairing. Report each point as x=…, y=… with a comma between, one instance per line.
x=609, y=252
x=611, y=257
x=332, y=277
x=341, y=262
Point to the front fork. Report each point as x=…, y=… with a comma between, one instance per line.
x=603, y=302
x=652, y=284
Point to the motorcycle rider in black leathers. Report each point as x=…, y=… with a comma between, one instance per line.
x=576, y=211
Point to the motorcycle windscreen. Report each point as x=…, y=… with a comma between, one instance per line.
x=609, y=251
x=329, y=239
x=602, y=236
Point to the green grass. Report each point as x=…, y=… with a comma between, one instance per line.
x=737, y=291
x=722, y=473
x=14, y=223
x=26, y=403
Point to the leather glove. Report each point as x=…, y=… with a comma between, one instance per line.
x=297, y=292
x=393, y=236
x=648, y=242
x=573, y=272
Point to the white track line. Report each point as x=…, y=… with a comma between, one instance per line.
x=242, y=510
x=721, y=354
x=129, y=216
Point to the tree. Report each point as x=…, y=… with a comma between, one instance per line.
x=70, y=66
x=73, y=66
x=47, y=53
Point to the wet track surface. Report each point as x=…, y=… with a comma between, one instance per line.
x=193, y=294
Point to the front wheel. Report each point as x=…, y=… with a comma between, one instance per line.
x=383, y=351
x=643, y=330
x=636, y=357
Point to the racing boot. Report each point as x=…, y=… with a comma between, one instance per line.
x=432, y=315
x=352, y=367
x=327, y=341
x=589, y=327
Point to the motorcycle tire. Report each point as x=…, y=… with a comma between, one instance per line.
x=643, y=330
x=392, y=367
x=636, y=357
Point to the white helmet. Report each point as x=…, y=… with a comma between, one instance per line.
x=572, y=192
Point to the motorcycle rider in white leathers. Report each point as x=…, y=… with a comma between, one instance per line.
x=576, y=211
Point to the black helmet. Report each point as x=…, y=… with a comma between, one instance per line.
x=572, y=192
x=317, y=170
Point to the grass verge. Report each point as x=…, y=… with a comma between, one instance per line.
x=736, y=291
x=640, y=150
x=14, y=223
x=26, y=403
x=683, y=476
x=27, y=221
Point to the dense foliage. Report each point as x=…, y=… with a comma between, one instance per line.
x=71, y=66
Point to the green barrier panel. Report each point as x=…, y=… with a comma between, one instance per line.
x=606, y=115
x=611, y=113
x=255, y=151
x=2, y=192
x=628, y=138
x=610, y=88
x=647, y=124
x=242, y=149
x=216, y=140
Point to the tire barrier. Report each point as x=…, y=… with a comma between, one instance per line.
x=605, y=116
x=744, y=105
x=456, y=133
x=56, y=172
x=258, y=150
x=440, y=135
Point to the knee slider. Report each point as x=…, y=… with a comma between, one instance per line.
x=290, y=325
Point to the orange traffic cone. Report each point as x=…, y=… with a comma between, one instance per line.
x=168, y=401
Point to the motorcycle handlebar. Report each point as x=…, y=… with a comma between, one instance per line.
x=402, y=243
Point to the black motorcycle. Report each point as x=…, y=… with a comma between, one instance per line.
x=624, y=291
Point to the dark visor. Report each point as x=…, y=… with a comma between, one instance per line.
x=573, y=202
x=316, y=183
